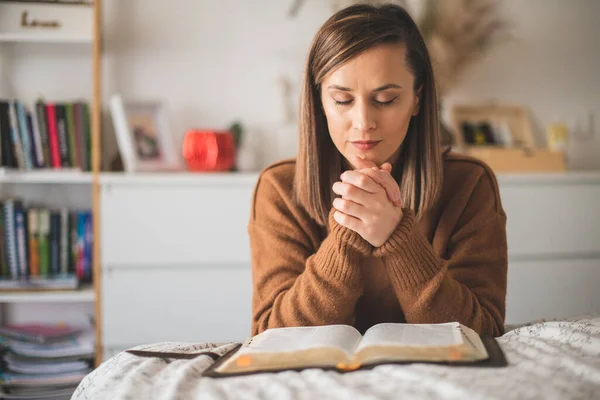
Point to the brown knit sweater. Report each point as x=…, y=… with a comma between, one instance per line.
x=451, y=265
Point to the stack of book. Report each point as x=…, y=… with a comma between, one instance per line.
x=41, y=361
x=45, y=135
x=44, y=248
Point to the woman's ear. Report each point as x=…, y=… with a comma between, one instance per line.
x=417, y=106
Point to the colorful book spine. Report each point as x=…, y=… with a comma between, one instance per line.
x=4, y=268
x=87, y=136
x=73, y=242
x=21, y=233
x=54, y=243
x=40, y=112
x=87, y=266
x=79, y=132
x=63, y=138
x=34, y=248
x=53, y=135
x=25, y=138
x=6, y=150
x=11, y=242
x=64, y=241
x=44, y=241
x=15, y=136
x=71, y=135
x=38, y=152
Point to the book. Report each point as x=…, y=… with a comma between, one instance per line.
x=343, y=348
x=38, y=332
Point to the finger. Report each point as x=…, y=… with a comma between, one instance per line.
x=385, y=180
x=348, y=221
x=387, y=167
x=361, y=180
x=349, y=207
x=360, y=163
x=351, y=192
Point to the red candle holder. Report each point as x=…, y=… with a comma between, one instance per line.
x=208, y=150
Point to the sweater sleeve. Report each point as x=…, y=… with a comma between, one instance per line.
x=469, y=284
x=294, y=284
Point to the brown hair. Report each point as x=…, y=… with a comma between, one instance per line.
x=345, y=35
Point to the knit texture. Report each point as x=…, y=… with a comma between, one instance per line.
x=450, y=265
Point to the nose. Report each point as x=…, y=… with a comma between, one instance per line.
x=363, y=119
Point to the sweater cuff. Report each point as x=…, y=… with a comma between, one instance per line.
x=408, y=254
x=348, y=240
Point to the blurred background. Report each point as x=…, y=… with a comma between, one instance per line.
x=183, y=104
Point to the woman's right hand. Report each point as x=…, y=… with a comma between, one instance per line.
x=381, y=175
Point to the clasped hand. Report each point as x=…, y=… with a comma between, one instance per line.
x=370, y=203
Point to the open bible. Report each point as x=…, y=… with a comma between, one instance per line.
x=343, y=348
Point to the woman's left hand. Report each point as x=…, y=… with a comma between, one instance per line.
x=365, y=207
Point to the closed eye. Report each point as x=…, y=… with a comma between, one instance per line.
x=341, y=103
x=386, y=103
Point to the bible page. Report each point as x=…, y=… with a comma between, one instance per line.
x=294, y=339
x=423, y=335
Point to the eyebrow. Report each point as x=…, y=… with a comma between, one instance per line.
x=379, y=89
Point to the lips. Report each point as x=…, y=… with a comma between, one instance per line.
x=365, y=144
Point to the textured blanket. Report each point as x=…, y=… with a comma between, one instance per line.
x=547, y=360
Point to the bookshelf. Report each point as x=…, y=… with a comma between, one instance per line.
x=55, y=64
x=49, y=39
x=86, y=295
x=45, y=177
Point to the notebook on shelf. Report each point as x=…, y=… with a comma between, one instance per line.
x=343, y=348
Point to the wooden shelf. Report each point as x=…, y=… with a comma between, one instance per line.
x=48, y=176
x=549, y=178
x=45, y=38
x=48, y=296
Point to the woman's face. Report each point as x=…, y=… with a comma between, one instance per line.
x=368, y=103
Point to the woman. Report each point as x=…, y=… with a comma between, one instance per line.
x=373, y=223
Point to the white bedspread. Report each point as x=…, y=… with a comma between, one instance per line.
x=547, y=360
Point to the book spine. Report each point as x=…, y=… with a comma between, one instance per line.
x=11, y=243
x=64, y=241
x=4, y=268
x=30, y=135
x=73, y=242
x=44, y=241
x=53, y=135
x=79, y=133
x=54, y=242
x=15, y=136
x=20, y=219
x=88, y=247
x=34, y=251
x=22, y=120
x=87, y=136
x=63, y=140
x=37, y=138
x=73, y=156
x=80, y=244
x=7, y=152
x=40, y=112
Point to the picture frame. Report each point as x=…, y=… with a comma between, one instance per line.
x=144, y=136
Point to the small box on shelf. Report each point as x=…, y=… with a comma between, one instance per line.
x=502, y=137
x=46, y=22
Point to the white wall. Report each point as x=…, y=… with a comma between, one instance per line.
x=216, y=61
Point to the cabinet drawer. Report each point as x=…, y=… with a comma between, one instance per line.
x=171, y=225
x=181, y=305
x=552, y=289
x=552, y=219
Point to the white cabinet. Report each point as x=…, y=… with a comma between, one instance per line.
x=176, y=263
x=175, y=258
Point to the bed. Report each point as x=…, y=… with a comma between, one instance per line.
x=547, y=359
